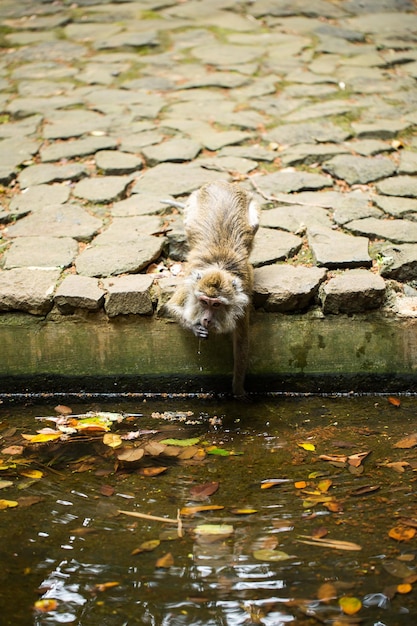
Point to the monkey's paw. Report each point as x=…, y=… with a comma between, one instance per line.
x=200, y=331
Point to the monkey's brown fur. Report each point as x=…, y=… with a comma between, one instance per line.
x=220, y=223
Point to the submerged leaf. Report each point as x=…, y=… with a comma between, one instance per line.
x=112, y=440
x=45, y=605
x=402, y=533
x=181, y=442
x=167, y=560
x=407, y=442
x=147, y=546
x=131, y=455
x=224, y=530
x=271, y=556
x=350, y=605
x=202, y=492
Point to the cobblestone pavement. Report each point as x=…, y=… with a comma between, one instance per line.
x=108, y=108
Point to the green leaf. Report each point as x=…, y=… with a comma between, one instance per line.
x=266, y=554
x=181, y=442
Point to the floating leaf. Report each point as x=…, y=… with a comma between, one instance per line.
x=243, y=511
x=271, y=556
x=300, y=484
x=42, y=437
x=107, y=490
x=307, y=446
x=334, y=458
x=221, y=451
x=13, y=450
x=350, y=605
x=112, y=440
x=407, y=442
x=32, y=473
x=329, y=543
x=192, y=510
x=167, y=560
x=224, y=530
x=402, y=533
x=181, y=442
x=8, y=504
x=364, y=490
x=45, y=605
x=63, y=410
x=5, y=483
x=202, y=492
x=273, y=482
x=324, y=485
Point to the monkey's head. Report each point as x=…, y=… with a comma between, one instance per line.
x=220, y=300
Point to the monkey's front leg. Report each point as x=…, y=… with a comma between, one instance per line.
x=240, y=355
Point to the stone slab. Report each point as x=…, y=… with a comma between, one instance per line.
x=79, y=292
x=286, y=288
x=41, y=251
x=64, y=220
x=128, y=295
x=27, y=289
x=333, y=249
x=119, y=258
x=354, y=291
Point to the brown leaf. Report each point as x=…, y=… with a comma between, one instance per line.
x=13, y=450
x=394, y=401
x=130, y=455
x=202, y=492
x=356, y=459
x=29, y=500
x=154, y=448
x=152, y=471
x=364, y=490
x=63, y=410
x=401, y=533
x=407, y=442
x=106, y=490
x=327, y=592
x=167, y=560
x=320, y=532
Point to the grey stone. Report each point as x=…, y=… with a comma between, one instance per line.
x=124, y=229
x=227, y=54
x=43, y=88
x=115, y=162
x=128, y=295
x=252, y=152
x=309, y=132
x=21, y=107
x=273, y=245
x=138, y=204
x=175, y=179
x=21, y=128
x=408, y=162
x=77, y=148
x=65, y=124
x=397, y=207
x=354, y=291
x=39, y=174
x=102, y=189
x=287, y=182
x=358, y=169
x=369, y=147
x=227, y=164
x=380, y=129
x=27, y=289
x=127, y=39
x=33, y=198
x=64, y=220
x=119, y=257
x=174, y=150
x=399, y=231
x=135, y=142
x=404, y=186
x=295, y=218
x=79, y=292
x=399, y=262
x=309, y=154
x=41, y=251
x=49, y=70
x=285, y=288
x=15, y=151
x=332, y=249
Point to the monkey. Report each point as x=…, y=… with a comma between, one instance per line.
x=220, y=222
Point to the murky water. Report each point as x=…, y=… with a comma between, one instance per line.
x=289, y=471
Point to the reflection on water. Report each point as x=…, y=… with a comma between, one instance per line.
x=66, y=540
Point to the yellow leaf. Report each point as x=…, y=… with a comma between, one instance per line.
x=42, y=438
x=8, y=504
x=167, y=560
x=112, y=440
x=324, y=485
x=300, y=484
x=350, y=605
x=45, y=605
x=404, y=588
x=191, y=510
x=36, y=474
x=105, y=586
x=401, y=533
x=307, y=446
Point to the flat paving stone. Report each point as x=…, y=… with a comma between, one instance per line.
x=79, y=292
x=286, y=288
x=273, y=245
x=296, y=218
x=175, y=179
x=102, y=189
x=117, y=163
x=33, y=198
x=358, y=169
x=27, y=289
x=119, y=257
x=403, y=186
x=173, y=150
x=63, y=220
x=78, y=148
x=399, y=231
x=333, y=249
x=399, y=262
x=39, y=174
x=41, y=251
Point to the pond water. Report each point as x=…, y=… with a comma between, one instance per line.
x=290, y=477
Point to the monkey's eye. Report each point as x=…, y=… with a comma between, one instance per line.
x=216, y=305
